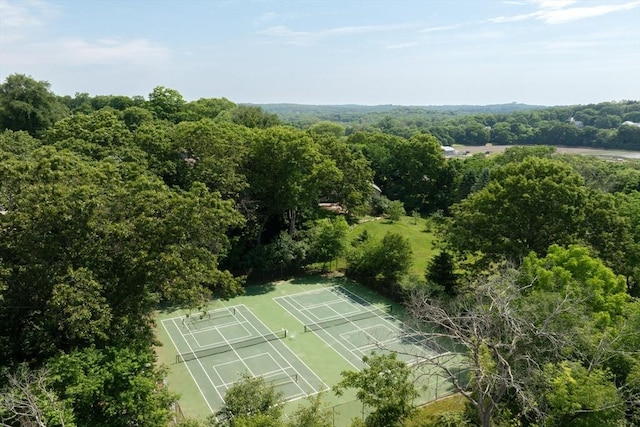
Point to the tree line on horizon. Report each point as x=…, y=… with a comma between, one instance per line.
x=111, y=206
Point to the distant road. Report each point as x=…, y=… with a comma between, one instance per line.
x=472, y=149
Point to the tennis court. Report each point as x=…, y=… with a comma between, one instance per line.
x=242, y=345
x=354, y=327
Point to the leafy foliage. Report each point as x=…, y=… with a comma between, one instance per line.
x=247, y=399
x=381, y=263
x=385, y=385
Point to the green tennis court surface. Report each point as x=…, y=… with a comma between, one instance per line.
x=242, y=345
x=353, y=327
x=298, y=335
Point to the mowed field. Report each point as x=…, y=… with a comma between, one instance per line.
x=417, y=230
x=473, y=149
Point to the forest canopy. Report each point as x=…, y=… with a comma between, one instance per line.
x=112, y=206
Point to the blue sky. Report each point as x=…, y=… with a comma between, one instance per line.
x=331, y=52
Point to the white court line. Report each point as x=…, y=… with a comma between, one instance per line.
x=345, y=336
x=202, y=367
x=307, y=308
x=219, y=330
x=420, y=349
x=363, y=330
x=344, y=293
x=285, y=298
x=273, y=347
x=208, y=329
x=183, y=316
x=293, y=355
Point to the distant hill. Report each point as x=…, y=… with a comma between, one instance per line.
x=303, y=115
x=289, y=109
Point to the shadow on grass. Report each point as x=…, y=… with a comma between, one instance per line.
x=260, y=288
x=316, y=279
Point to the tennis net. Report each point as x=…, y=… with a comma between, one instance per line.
x=233, y=345
x=282, y=378
x=324, y=324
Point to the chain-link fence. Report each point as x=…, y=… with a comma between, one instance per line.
x=432, y=387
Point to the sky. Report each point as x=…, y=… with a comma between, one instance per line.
x=428, y=52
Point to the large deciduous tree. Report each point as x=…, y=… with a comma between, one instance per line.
x=522, y=332
x=212, y=153
x=29, y=105
x=285, y=171
x=527, y=206
x=385, y=385
x=250, y=398
x=88, y=249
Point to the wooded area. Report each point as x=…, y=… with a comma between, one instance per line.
x=112, y=206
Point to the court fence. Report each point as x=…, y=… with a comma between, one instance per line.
x=442, y=387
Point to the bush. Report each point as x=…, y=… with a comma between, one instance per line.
x=381, y=264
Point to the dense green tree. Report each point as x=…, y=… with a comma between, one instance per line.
x=103, y=128
x=351, y=188
x=206, y=108
x=527, y=206
x=518, y=154
x=283, y=254
x=285, y=171
x=628, y=137
x=88, y=253
x=385, y=385
x=579, y=397
x=327, y=128
x=441, y=272
x=328, y=239
x=629, y=207
x=573, y=270
x=416, y=174
x=29, y=105
x=253, y=116
x=395, y=210
x=212, y=153
x=112, y=387
x=134, y=117
x=166, y=104
x=248, y=398
x=312, y=414
x=381, y=263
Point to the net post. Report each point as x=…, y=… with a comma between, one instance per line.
x=305, y=328
x=285, y=332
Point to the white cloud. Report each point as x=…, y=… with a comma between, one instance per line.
x=561, y=15
x=553, y=4
x=402, y=45
x=17, y=19
x=442, y=28
x=305, y=38
x=559, y=11
x=24, y=41
x=74, y=52
x=108, y=52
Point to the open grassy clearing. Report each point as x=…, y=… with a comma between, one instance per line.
x=416, y=230
x=429, y=412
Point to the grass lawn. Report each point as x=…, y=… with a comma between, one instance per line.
x=415, y=230
x=429, y=412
